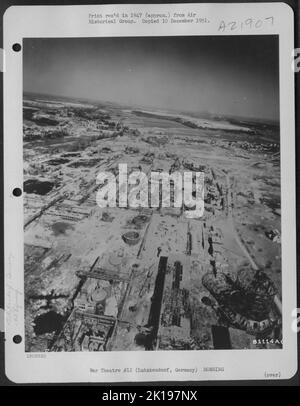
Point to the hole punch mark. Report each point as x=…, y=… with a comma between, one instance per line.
x=17, y=192
x=16, y=47
x=17, y=339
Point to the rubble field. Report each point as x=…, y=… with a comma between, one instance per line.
x=149, y=278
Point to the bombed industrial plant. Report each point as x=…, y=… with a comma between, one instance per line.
x=148, y=278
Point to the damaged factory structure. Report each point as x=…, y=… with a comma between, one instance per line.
x=149, y=278
x=151, y=194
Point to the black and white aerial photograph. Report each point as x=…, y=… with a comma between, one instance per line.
x=151, y=276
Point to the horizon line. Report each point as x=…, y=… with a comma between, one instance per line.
x=272, y=120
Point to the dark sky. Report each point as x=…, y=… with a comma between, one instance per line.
x=235, y=75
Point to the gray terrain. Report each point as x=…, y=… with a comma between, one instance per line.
x=119, y=279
